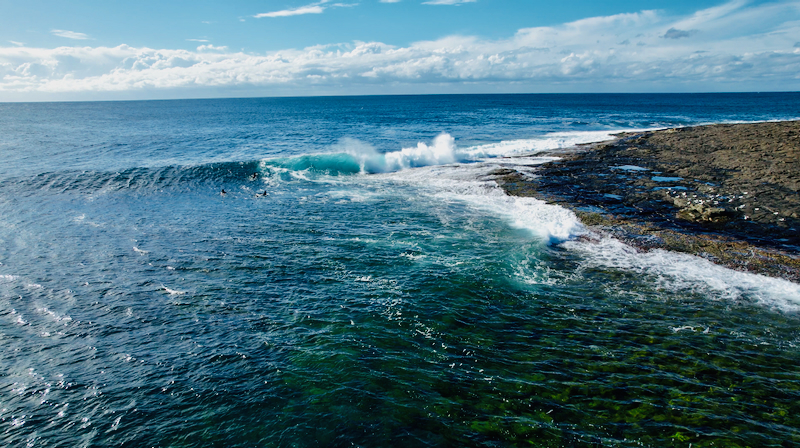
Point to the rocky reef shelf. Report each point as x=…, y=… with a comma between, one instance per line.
x=726, y=192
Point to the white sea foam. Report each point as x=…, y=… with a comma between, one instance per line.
x=682, y=272
x=443, y=150
x=546, y=142
x=53, y=315
x=82, y=220
x=173, y=292
x=548, y=222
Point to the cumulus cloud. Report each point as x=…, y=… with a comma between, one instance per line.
x=69, y=34
x=210, y=47
x=575, y=56
x=19, y=44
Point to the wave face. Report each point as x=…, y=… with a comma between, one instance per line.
x=331, y=164
x=133, y=180
x=363, y=259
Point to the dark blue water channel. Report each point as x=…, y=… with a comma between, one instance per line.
x=361, y=283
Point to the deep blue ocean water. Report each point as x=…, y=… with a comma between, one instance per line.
x=363, y=282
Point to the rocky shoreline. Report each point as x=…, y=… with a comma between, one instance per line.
x=729, y=192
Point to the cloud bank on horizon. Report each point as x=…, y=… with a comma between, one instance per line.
x=734, y=46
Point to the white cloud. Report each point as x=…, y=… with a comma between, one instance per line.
x=578, y=56
x=210, y=47
x=69, y=34
x=390, y=1
x=314, y=8
x=197, y=40
x=310, y=9
x=19, y=44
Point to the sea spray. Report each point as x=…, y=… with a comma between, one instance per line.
x=441, y=152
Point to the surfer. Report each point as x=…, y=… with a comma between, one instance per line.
x=254, y=176
x=222, y=193
x=261, y=195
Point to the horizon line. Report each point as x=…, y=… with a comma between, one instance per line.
x=399, y=95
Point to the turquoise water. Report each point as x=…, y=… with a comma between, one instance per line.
x=363, y=282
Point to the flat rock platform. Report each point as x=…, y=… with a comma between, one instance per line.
x=728, y=192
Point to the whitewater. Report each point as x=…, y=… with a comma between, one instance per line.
x=445, y=173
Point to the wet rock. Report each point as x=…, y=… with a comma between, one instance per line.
x=701, y=212
x=729, y=193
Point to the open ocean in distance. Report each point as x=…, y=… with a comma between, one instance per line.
x=363, y=283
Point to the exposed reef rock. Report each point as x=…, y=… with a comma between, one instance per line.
x=729, y=192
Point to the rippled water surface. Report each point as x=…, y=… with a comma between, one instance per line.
x=363, y=282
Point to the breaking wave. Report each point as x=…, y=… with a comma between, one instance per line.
x=350, y=157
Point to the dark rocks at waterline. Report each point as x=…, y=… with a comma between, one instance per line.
x=729, y=193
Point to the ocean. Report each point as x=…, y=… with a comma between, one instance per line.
x=343, y=271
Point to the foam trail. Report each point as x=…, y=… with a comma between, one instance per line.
x=547, y=142
x=684, y=272
x=173, y=292
x=547, y=222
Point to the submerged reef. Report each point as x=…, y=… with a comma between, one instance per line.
x=727, y=192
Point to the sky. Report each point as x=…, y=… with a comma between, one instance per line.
x=122, y=50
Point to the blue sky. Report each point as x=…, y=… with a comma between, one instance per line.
x=87, y=50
